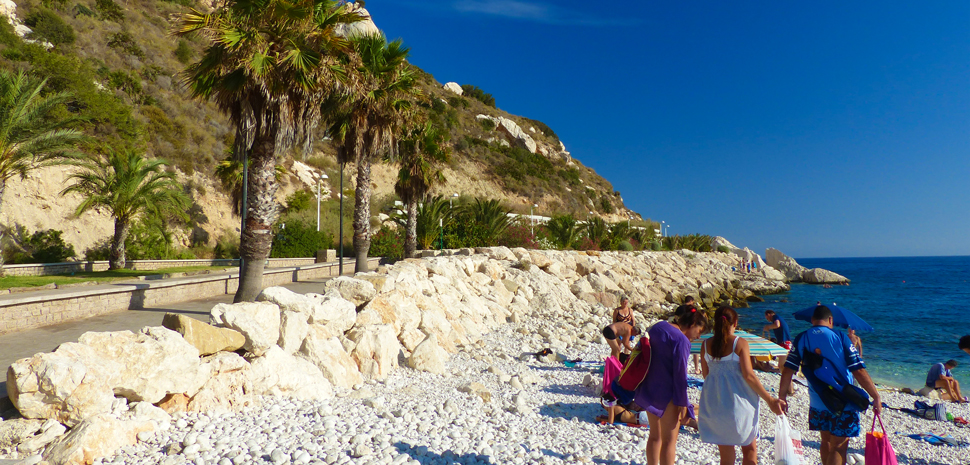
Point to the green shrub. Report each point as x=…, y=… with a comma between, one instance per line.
x=518, y=236
x=82, y=10
x=387, y=243
x=625, y=246
x=125, y=42
x=478, y=94
x=100, y=251
x=487, y=124
x=152, y=239
x=521, y=163
x=543, y=128
x=183, y=53
x=54, y=4
x=297, y=239
x=723, y=249
x=299, y=201
x=108, y=10
x=227, y=246
x=605, y=205
x=570, y=175
x=40, y=247
x=47, y=25
x=458, y=102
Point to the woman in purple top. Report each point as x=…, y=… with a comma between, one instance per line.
x=663, y=393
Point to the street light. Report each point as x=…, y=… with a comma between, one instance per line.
x=533, y=219
x=662, y=233
x=340, y=259
x=453, y=196
x=321, y=177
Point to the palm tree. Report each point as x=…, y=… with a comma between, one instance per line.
x=596, y=230
x=418, y=154
x=370, y=120
x=563, y=231
x=31, y=133
x=619, y=232
x=433, y=214
x=269, y=64
x=127, y=185
x=492, y=216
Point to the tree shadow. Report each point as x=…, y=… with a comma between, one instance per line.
x=423, y=455
x=584, y=411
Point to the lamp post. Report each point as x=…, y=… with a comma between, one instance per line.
x=340, y=259
x=441, y=225
x=453, y=196
x=662, y=233
x=533, y=219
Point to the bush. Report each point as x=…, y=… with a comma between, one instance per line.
x=457, y=102
x=109, y=10
x=487, y=124
x=125, y=42
x=227, y=246
x=387, y=243
x=47, y=25
x=518, y=236
x=723, y=249
x=299, y=201
x=605, y=205
x=151, y=239
x=587, y=244
x=625, y=246
x=543, y=128
x=297, y=239
x=478, y=94
x=40, y=247
x=182, y=52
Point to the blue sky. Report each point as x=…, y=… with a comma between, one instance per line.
x=823, y=129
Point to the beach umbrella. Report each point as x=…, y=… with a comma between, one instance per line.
x=759, y=346
x=840, y=317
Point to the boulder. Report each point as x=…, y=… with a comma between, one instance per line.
x=259, y=322
x=286, y=299
x=16, y=431
x=206, y=338
x=771, y=273
x=59, y=386
x=376, y=350
x=95, y=437
x=293, y=329
x=334, y=313
x=173, y=403
x=155, y=362
x=280, y=374
x=355, y=290
x=328, y=354
x=364, y=27
x=49, y=431
x=785, y=265
x=229, y=387
x=393, y=308
x=820, y=276
x=512, y=132
x=454, y=87
x=429, y=356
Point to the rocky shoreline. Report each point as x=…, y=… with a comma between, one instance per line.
x=122, y=390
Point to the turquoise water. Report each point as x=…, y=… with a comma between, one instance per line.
x=919, y=307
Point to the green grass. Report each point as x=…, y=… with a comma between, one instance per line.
x=8, y=282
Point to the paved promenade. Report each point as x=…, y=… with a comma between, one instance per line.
x=15, y=346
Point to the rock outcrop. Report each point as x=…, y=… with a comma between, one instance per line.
x=454, y=87
x=796, y=273
x=513, y=133
x=206, y=338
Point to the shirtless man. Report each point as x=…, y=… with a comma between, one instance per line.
x=620, y=333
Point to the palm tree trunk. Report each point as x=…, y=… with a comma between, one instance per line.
x=411, y=234
x=3, y=188
x=362, y=214
x=262, y=211
x=116, y=258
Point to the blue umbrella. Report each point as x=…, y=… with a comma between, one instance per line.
x=840, y=317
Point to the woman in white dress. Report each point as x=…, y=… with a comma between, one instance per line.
x=728, y=414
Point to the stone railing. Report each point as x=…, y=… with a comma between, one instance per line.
x=34, y=309
x=47, y=269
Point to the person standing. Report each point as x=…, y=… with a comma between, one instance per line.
x=729, y=405
x=663, y=393
x=835, y=428
x=779, y=327
x=856, y=341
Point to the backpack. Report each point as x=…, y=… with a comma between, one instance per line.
x=936, y=412
x=636, y=367
x=832, y=387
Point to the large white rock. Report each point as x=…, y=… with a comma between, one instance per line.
x=60, y=386
x=328, y=354
x=512, y=132
x=258, y=321
x=454, y=87
x=820, y=276
x=293, y=329
x=334, y=313
x=286, y=299
x=280, y=374
x=393, y=308
x=229, y=386
x=355, y=290
x=429, y=356
x=376, y=350
x=95, y=437
x=155, y=362
x=786, y=265
x=360, y=28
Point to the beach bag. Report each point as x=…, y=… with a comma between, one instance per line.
x=636, y=367
x=878, y=449
x=935, y=412
x=611, y=369
x=788, y=443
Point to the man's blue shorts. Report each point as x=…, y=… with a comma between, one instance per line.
x=844, y=424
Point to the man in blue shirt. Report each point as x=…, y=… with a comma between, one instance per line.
x=780, y=329
x=835, y=428
x=940, y=377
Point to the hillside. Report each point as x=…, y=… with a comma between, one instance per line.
x=122, y=65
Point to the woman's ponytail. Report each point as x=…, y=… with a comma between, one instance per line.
x=724, y=318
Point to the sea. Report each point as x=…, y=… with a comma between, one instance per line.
x=919, y=307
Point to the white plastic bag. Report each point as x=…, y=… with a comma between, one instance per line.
x=788, y=443
x=642, y=418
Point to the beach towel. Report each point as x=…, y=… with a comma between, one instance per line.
x=938, y=440
x=878, y=449
x=636, y=367
x=695, y=382
x=611, y=369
